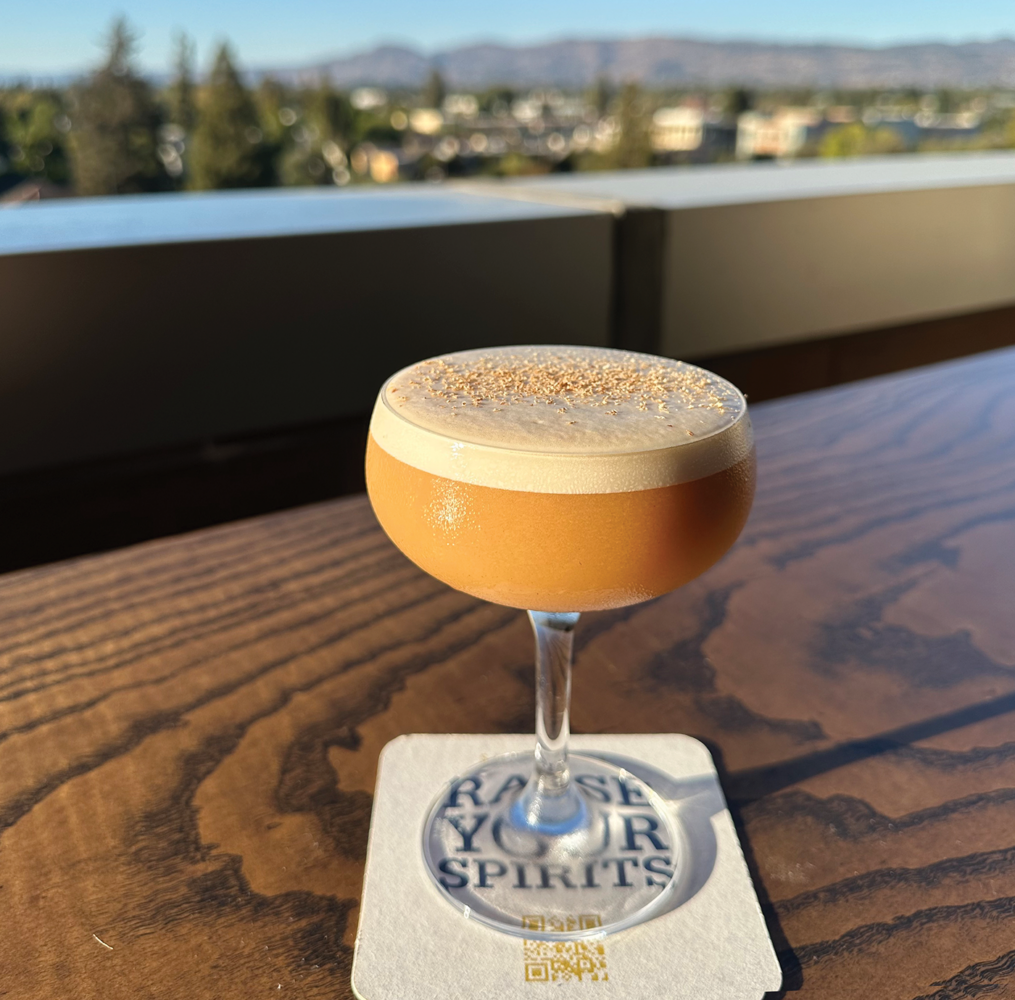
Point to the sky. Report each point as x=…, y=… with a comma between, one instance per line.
x=63, y=36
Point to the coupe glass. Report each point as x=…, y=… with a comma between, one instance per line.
x=557, y=521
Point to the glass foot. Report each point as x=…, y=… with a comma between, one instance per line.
x=600, y=856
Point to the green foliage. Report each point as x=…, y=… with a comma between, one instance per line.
x=320, y=139
x=33, y=134
x=737, y=101
x=1006, y=130
x=115, y=123
x=371, y=126
x=181, y=99
x=517, y=165
x=949, y=101
x=600, y=95
x=330, y=113
x=496, y=99
x=780, y=97
x=999, y=136
x=856, y=139
x=434, y=90
x=275, y=104
x=634, y=145
x=229, y=150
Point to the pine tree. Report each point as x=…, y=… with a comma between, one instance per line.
x=179, y=100
x=434, y=90
x=331, y=110
x=634, y=146
x=33, y=126
x=180, y=96
x=114, y=134
x=320, y=139
x=599, y=95
x=738, y=101
x=229, y=150
x=276, y=113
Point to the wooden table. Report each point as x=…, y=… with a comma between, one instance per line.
x=190, y=728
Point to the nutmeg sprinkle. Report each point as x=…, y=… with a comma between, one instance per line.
x=559, y=399
x=567, y=380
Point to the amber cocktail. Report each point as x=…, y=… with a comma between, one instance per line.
x=558, y=480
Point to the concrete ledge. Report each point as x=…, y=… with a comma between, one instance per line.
x=116, y=341
x=747, y=276
x=146, y=323
x=765, y=254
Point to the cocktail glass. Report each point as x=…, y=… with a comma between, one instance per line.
x=479, y=477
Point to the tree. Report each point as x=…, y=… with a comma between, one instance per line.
x=949, y=101
x=515, y=164
x=321, y=138
x=434, y=90
x=634, y=144
x=276, y=106
x=331, y=110
x=496, y=100
x=228, y=150
x=856, y=139
x=33, y=127
x=600, y=94
x=114, y=134
x=737, y=102
x=180, y=97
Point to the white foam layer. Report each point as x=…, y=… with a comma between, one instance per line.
x=547, y=419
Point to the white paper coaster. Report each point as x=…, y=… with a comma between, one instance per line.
x=712, y=944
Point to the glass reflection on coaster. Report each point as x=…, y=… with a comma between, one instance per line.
x=609, y=850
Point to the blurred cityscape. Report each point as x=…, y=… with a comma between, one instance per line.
x=115, y=131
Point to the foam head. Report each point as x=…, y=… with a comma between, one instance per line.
x=554, y=419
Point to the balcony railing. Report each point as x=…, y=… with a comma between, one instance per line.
x=149, y=337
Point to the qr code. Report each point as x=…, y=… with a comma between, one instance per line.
x=563, y=961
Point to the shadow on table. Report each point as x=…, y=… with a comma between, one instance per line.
x=745, y=787
x=792, y=972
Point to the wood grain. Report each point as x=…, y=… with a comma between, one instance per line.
x=189, y=729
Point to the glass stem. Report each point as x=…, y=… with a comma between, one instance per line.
x=551, y=804
x=554, y=644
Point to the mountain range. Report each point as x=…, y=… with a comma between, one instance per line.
x=661, y=61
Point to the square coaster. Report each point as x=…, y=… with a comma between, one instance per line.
x=711, y=944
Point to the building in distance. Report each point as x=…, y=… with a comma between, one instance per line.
x=691, y=133
x=780, y=134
